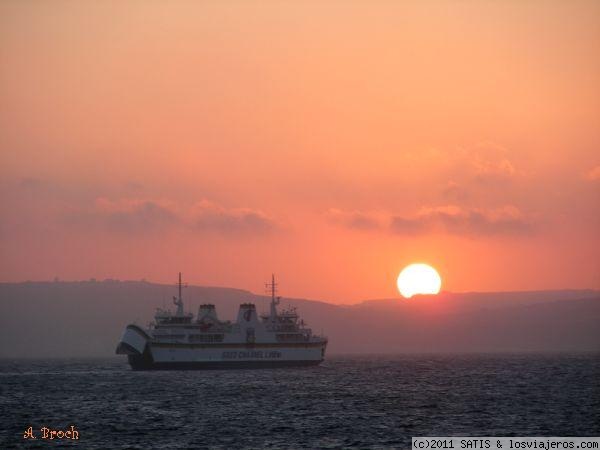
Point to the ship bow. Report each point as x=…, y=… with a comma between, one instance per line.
x=133, y=342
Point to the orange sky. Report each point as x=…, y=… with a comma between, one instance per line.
x=331, y=142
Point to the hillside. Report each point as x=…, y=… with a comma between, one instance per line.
x=57, y=319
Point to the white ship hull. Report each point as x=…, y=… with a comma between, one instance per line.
x=144, y=354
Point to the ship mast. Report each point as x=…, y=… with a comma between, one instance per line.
x=272, y=286
x=179, y=286
x=179, y=300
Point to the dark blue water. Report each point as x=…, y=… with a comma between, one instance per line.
x=348, y=402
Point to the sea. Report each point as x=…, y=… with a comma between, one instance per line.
x=348, y=402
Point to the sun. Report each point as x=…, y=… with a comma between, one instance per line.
x=418, y=279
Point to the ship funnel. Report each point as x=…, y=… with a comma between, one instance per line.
x=207, y=311
x=247, y=313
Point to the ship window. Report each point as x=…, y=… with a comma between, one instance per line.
x=206, y=338
x=289, y=337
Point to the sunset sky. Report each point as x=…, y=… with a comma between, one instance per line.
x=331, y=142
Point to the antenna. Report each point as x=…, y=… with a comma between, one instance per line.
x=271, y=288
x=179, y=301
x=181, y=285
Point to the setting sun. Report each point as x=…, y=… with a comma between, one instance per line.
x=418, y=279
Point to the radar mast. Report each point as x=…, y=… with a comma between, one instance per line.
x=178, y=301
x=272, y=288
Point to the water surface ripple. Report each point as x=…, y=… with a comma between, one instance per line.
x=347, y=402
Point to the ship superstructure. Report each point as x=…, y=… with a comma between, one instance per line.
x=177, y=340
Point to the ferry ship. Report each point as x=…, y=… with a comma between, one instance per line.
x=175, y=340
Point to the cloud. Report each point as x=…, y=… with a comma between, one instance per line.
x=354, y=219
x=593, y=174
x=485, y=173
x=142, y=216
x=507, y=220
x=133, y=215
x=482, y=170
x=454, y=191
x=208, y=216
x=451, y=219
x=490, y=161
